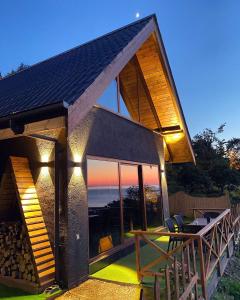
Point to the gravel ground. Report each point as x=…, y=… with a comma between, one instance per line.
x=94, y=289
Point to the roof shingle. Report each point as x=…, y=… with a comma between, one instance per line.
x=65, y=77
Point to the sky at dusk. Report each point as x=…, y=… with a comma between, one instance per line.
x=201, y=39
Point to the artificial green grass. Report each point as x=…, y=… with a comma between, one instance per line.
x=16, y=294
x=124, y=269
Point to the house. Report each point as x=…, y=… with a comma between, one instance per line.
x=84, y=137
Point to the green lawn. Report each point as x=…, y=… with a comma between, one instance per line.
x=124, y=269
x=15, y=294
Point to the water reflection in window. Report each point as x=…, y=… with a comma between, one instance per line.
x=152, y=196
x=131, y=200
x=104, y=206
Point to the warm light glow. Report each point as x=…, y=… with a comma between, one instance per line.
x=77, y=171
x=45, y=158
x=44, y=171
x=77, y=157
x=173, y=137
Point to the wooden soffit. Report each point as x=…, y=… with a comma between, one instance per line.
x=150, y=95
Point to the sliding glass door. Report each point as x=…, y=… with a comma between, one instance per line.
x=117, y=204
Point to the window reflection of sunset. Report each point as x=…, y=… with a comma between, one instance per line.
x=150, y=175
x=105, y=173
x=129, y=175
x=102, y=173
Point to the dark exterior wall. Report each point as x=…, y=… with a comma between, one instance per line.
x=114, y=137
x=36, y=151
x=102, y=134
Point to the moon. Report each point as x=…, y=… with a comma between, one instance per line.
x=137, y=15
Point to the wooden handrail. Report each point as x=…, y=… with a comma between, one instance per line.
x=165, y=233
x=210, y=225
x=211, y=242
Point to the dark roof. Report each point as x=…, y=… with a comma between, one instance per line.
x=64, y=78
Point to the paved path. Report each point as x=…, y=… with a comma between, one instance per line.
x=94, y=289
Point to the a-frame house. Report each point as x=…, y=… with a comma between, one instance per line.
x=97, y=172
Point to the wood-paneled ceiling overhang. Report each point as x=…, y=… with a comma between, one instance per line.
x=149, y=92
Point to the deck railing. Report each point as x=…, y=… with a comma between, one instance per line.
x=188, y=270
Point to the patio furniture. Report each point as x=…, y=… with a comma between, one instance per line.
x=210, y=215
x=179, y=221
x=172, y=239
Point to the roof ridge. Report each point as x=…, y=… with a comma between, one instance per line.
x=81, y=45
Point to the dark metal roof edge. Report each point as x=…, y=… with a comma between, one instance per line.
x=36, y=114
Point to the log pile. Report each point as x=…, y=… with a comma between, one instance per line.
x=15, y=252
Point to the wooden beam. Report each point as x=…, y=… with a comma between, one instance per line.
x=149, y=98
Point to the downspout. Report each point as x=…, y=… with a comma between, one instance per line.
x=57, y=148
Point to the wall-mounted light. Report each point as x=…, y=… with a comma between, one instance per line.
x=77, y=171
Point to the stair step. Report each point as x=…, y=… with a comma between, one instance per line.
x=39, y=239
x=37, y=226
x=30, y=202
x=44, y=259
x=43, y=252
x=38, y=232
x=41, y=246
x=33, y=214
x=33, y=220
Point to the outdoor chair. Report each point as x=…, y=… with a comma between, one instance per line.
x=210, y=215
x=172, y=239
x=179, y=221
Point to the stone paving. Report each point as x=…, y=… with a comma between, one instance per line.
x=94, y=289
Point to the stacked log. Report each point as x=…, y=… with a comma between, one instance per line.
x=15, y=255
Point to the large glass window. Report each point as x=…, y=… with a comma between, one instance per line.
x=104, y=206
x=152, y=196
x=109, y=97
x=131, y=201
x=116, y=205
x=112, y=99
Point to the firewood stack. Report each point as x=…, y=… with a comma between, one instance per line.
x=15, y=252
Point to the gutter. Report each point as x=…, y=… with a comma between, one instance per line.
x=34, y=115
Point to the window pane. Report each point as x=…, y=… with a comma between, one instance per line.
x=123, y=108
x=131, y=201
x=109, y=97
x=152, y=196
x=103, y=206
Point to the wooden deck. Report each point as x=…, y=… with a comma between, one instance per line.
x=194, y=267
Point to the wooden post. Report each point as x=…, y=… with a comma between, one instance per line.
x=142, y=197
x=176, y=278
x=194, y=268
x=202, y=268
x=138, y=261
x=168, y=286
x=157, y=288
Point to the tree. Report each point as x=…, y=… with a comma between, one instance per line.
x=217, y=166
x=21, y=67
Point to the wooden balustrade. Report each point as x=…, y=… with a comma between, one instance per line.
x=186, y=269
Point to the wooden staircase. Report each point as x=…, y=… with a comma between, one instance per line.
x=30, y=208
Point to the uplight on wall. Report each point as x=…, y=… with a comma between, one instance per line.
x=77, y=171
